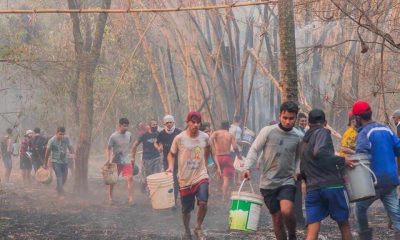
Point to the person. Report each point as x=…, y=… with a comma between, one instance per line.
x=39, y=143
x=302, y=122
x=57, y=147
x=236, y=131
x=192, y=148
x=378, y=141
x=163, y=144
x=279, y=144
x=6, y=154
x=348, y=141
x=396, y=121
x=118, y=148
x=25, y=156
x=151, y=158
x=221, y=142
x=319, y=166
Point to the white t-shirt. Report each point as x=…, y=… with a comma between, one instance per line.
x=191, y=160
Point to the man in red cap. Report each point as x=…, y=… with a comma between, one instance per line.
x=192, y=149
x=378, y=141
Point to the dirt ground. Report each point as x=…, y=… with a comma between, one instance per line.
x=34, y=212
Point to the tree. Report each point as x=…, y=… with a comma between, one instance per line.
x=287, y=60
x=87, y=53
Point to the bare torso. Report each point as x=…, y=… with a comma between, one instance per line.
x=222, y=141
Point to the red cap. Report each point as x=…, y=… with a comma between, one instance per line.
x=193, y=115
x=361, y=107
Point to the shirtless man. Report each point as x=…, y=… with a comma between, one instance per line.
x=221, y=142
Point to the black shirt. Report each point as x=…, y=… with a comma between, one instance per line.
x=149, y=151
x=166, y=140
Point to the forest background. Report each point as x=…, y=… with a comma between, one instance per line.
x=85, y=71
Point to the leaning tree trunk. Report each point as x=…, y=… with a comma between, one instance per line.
x=87, y=53
x=287, y=40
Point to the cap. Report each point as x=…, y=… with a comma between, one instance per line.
x=361, y=107
x=316, y=116
x=168, y=118
x=28, y=132
x=193, y=115
x=396, y=113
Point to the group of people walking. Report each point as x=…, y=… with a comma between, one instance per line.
x=284, y=154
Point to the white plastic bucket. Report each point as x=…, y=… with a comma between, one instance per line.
x=161, y=187
x=245, y=210
x=360, y=181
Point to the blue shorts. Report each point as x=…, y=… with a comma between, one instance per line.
x=201, y=194
x=7, y=160
x=323, y=202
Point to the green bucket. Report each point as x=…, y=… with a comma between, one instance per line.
x=245, y=210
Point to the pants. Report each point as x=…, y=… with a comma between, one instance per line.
x=388, y=196
x=151, y=166
x=61, y=171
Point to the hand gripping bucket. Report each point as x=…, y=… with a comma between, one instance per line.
x=161, y=187
x=43, y=175
x=245, y=210
x=110, y=173
x=360, y=181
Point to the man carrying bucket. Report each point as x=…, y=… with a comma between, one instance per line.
x=192, y=148
x=325, y=188
x=151, y=158
x=163, y=144
x=279, y=144
x=57, y=147
x=118, y=147
x=221, y=142
x=383, y=145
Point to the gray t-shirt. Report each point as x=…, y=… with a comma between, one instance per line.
x=120, y=143
x=59, y=149
x=280, y=154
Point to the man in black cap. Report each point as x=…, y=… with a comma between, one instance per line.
x=319, y=168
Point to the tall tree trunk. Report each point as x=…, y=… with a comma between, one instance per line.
x=287, y=40
x=87, y=51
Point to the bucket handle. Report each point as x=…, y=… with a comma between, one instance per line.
x=372, y=173
x=241, y=186
x=240, y=189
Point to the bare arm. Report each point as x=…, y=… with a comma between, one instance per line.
x=46, y=156
x=9, y=145
x=348, y=150
x=171, y=158
x=235, y=147
x=158, y=146
x=134, y=149
x=108, y=154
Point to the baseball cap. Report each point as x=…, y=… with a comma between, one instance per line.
x=316, y=116
x=396, y=113
x=192, y=115
x=361, y=107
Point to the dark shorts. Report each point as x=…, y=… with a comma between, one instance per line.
x=321, y=203
x=226, y=164
x=272, y=197
x=25, y=163
x=188, y=200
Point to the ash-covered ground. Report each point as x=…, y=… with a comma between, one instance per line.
x=33, y=211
